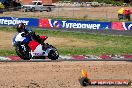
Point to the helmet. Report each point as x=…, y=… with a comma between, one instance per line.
x=20, y=27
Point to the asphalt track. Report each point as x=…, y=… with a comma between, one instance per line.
x=93, y=31
x=67, y=58
x=38, y=60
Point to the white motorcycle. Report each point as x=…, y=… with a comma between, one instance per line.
x=34, y=49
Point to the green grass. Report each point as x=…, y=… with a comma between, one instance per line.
x=96, y=51
x=8, y=29
x=89, y=19
x=7, y=53
x=83, y=19
x=105, y=44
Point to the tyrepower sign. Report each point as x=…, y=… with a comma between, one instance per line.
x=11, y=21
x=47, y=23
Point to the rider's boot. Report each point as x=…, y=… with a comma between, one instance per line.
x=44, y=48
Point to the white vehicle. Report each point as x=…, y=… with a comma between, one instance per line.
x=37, y=6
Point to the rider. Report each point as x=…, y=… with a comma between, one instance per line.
x=21, y=28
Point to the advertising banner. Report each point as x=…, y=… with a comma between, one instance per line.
x=70, y=24
x=11, y=21
x=122, y=25
x=48, y=23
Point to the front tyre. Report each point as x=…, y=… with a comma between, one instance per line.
x=48, y=9
x=53, y=54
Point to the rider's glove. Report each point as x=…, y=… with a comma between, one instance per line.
x=23, y=34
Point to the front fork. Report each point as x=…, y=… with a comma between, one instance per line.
x=24, y=48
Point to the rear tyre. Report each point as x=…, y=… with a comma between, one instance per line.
x=25, y=55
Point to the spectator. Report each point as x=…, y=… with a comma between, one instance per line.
x=120, y=13
x=126, y=14
x=16, y=3
x=1, y=7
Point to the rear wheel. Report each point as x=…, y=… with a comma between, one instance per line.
x=25, y=55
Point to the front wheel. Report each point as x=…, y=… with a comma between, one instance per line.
x=53, y=54
x=48, y=9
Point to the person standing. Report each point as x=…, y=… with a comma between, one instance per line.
x=127, y=14
x=120, y=13
x=1, y=7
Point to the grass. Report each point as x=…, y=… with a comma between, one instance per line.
x=80, y=19
x=103, y=44
x=88, y=19
x=7, y=53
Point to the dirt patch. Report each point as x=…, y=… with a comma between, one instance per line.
x=6, y=41
x=60, y=74
x=67, y=42
x=87, y=13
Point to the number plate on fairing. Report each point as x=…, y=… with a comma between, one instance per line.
x=37, y=54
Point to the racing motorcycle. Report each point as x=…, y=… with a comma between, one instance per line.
x=33, y=50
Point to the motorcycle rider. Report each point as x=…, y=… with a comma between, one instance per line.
x=21, y=28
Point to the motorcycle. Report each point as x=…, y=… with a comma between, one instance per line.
x=33, y=50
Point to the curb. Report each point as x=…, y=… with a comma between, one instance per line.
x=4, y=58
